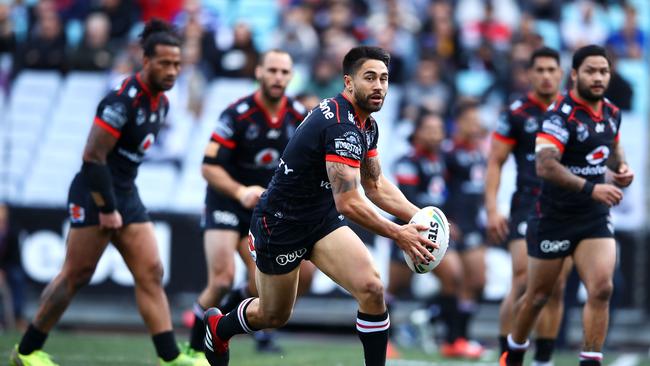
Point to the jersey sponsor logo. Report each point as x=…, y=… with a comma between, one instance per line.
x=115, y=114
x=77, y=213
x=530, y=125
x=252, y=132
x=132, y=156
x=555, y=127
x=326, y=109
x=147, y=143
x=588, y=170
x=582, y=131
x=283, y=259
x=224, y=128
x=326, y=185
x=437, y=190
x=273, y=134
x=267, y=157
x=349, y=146
x=554, y=246
x=284, y=165
x=225, y=217
x=598, y=155
x=140, y=117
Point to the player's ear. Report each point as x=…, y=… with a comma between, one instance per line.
x=574, y=75
x=258, y=72
x=347, y=82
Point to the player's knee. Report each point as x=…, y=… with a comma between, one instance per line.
x=221, y=282
x=150, y=274
x=601, y=291
x=371, y=292
x=539, y=299
x=79, y=276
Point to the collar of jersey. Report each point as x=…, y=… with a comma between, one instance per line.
x=537, y=102
x=357, y=120
x=597, y=117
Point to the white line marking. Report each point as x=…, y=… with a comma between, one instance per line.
x=626, y=359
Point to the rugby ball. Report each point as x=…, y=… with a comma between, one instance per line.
x=437, y=232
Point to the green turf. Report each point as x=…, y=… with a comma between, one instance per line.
x=77, y=349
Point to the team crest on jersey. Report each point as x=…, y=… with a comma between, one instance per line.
x=267, y=157
x=77, y=213
x=147, y=142
x=600, y=127
x=582, y=131
x=153, y=118
x=252, y=132
x=140, y=117
x=530, y=125
x=598, y=155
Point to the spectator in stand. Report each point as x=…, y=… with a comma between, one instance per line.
x=426, y=91
x=7, y=35
x=488, y=30
x=297, y=36
x=95, y=53
x=325, y=77
x=45, y=47
x=542, y=9
x=240, y=59
x=630, y=41
x=440, y=36
x=397, y=67
x=123, y=15
x=11, y=271
x=163, y=9
x=194, y=31
x=619, y=92
x=584, y=30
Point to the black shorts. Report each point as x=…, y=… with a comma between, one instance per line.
x=522, y=205
x=83, y=211
x=547, y=238
x=224, y=213
x=278, y=246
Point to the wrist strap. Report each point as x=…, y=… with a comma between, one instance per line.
x=587, y=188
x=99, y=180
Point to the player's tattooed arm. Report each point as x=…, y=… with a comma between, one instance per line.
x=549, y=168
x=99, y=145
x=383, y=193
x=343, y=178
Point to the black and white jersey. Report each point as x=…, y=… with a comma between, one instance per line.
x=133, y=115
x=300, y=191
x=586, y=139
x=518, y=127
x=421, y=177
x=466, y=166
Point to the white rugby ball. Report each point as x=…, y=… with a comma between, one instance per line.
x=437, y=232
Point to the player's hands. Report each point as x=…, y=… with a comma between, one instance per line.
x=497, y=227
x=607, y=194
x=409, y=240
x=624, y=176
x=110, y=221
x=248, y=196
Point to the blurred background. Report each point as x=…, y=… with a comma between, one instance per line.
x=59, y=57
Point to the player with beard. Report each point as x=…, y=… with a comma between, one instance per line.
x=577, y=143
x=104, y=204
x=239, y=161
x=302, y=215
x=516, y=134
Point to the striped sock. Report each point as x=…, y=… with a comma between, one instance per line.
x=373, y=333
x=235, y=322
x=591, y=358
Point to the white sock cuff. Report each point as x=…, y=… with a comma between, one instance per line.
x=595, y=356
x=516, y=346
x=365, y=326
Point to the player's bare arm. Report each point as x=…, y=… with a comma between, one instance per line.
x=99, y=144
x=383, y=193
x=622, y=174
x=497, y=225
x=219, y=179
x=549, y=168
x=345, y=181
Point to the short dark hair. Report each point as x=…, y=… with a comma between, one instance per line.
x=262, y=58
x=358, y=55
x=423, y=114
x=592, y=50
x=544, y=52
x=156, y=32
x=466, y=105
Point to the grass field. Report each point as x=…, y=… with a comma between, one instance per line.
x=97, y=349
